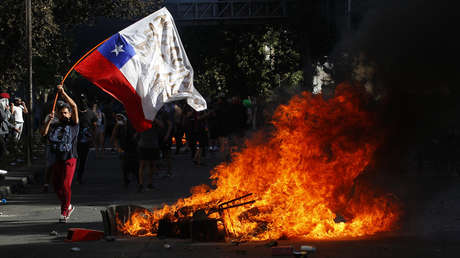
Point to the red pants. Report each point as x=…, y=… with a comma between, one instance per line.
x=63, y=171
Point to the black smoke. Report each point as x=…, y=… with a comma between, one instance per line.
x=413, y=48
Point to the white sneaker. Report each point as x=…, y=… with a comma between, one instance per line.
x=70, y=210
x=62, y=219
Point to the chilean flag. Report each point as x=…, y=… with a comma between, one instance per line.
x=144, y=66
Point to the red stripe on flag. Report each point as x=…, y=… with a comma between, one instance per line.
x=101, y=72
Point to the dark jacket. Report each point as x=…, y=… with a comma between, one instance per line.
x=4, y=124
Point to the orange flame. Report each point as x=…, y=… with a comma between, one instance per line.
x=303, y=178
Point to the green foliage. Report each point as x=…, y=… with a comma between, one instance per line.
x=235, y=60
x=13, y=45
x=53, y=24
x=244, y=61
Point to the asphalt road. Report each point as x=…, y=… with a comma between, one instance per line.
x=27, y=220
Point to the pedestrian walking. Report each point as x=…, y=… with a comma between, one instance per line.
x=88, y=126
x=166, y=115
x=5, y=125
x=99, y=137
x=49, y=155
x=149, y=153
x=179, y=126
x=124, y=138
x=18, y=109
x=197, y=132
x=63, y=137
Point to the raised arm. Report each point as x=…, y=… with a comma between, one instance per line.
x=72, y=103
x=25, y=110
x=45, y=128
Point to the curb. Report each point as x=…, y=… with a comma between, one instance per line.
x=15, y=181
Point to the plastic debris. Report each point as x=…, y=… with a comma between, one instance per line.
x=53, y=233
x=75, y=249
x=301, y=254
x=307, y=248
x=83, y=234
x=167, y=246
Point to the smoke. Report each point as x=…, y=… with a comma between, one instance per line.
x=411, y=42
x=408, y=56
x=410, y=53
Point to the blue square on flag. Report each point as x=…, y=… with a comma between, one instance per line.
x=117, y=50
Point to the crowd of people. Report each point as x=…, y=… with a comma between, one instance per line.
x=12, y=111
x=177, y=128
x=72, y=131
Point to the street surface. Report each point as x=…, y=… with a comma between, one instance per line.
x=27, y=220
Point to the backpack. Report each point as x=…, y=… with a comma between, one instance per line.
x=60, y=139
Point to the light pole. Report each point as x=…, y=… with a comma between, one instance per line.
x=29, y=80
x=349, y=15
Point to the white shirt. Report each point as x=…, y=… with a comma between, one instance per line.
x=17, y=114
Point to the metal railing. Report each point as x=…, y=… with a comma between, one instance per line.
x=229, y=10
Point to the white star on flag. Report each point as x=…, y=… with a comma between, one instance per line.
x=153, y=69
x=118, y=49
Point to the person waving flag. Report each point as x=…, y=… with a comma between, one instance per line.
x=144, y=66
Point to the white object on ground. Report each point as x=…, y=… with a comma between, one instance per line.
x=307, y=248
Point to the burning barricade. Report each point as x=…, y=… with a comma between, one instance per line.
x=301, y=182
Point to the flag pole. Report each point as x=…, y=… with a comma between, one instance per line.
x=73, y=66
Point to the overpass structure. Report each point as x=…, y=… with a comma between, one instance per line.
x=237, y=11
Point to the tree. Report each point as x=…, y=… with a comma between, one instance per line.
x=53, y=25
x=244, y=61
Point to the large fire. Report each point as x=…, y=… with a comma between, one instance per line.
x=303, y=177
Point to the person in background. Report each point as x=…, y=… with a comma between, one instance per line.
x=88, y=126
x=50, y=157
x=5, y=126
x=18, y=108
x=166, y=115
x=100, y=128
x=213, y=126
x=110, y=119
x=63, y=137
x=197, y=131
x=124, y=138
x=149, y=152
x=178, y=128
x=37, y=112
x=238, y=123
x=222, y=114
